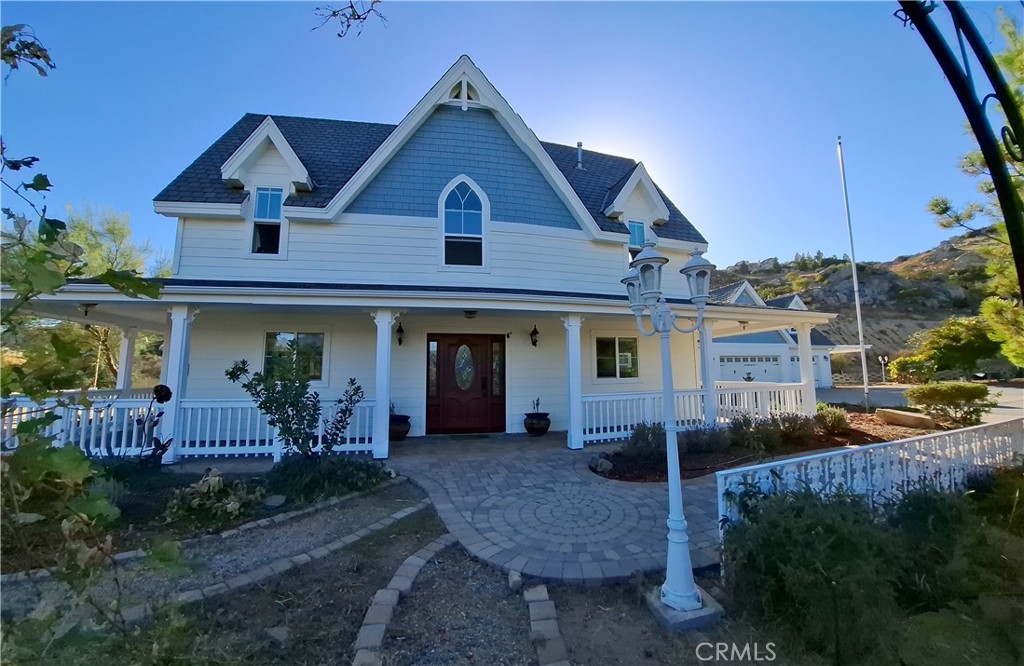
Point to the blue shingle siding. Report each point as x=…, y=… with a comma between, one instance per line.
x=453, y=142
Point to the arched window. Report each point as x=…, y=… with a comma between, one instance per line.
x=463, y=227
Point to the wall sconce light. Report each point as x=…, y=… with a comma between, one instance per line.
x=743, y=324
x=508, y=336
x=533, y=335
x=400, y=332
x=86, y=308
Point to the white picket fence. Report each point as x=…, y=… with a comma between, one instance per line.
x=205, y=427
x=612, y=416
x=881, y=472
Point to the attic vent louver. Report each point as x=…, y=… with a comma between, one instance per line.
x=464, y=92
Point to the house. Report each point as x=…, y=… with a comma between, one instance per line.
x=455, y=265
x=769, y=356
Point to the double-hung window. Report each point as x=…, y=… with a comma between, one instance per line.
x=266, y=220
x=463, y=227
x=617, y=358
x=637, y=236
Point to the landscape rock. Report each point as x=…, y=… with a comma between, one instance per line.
x=600, y=465
x=274, y=501
x=515, y=580
x=908, y=419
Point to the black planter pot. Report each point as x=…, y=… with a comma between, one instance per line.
x=536, y=423
x=399, y=427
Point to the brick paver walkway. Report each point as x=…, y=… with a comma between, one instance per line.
x=531, y=504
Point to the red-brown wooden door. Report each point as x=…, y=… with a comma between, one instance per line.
x=465, y=383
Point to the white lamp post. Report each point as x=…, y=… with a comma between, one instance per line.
x=643, y=286
x=883, y=360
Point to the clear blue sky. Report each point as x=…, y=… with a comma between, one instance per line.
x=733, y=107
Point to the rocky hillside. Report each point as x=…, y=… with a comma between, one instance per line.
x=898, y=297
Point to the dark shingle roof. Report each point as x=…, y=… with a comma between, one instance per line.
x=333, y=150
x=728, y=293
x=781, y=301
x=819, y=339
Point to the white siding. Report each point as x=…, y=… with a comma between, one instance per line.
x=221, y=337
x=407, y=250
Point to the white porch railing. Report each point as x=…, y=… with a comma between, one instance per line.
x=237, y=428
x=758, y=400
x=883, y=471
x=204, y=428
x=611, y=416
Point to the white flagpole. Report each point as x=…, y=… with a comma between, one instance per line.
x=856, y=284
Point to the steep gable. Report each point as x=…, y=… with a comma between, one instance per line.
x=452, y=142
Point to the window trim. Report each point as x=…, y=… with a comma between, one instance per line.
x=485, y=224
x=616, y=379
x=251, y=221
x=325, y=360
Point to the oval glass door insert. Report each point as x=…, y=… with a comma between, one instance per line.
x=464, y=369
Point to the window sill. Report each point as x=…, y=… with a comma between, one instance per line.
x=463, y=269
x=266, y=256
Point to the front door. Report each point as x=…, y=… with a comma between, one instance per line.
x=465, y=383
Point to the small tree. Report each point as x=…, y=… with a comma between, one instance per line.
x=282, y=393
x=912, y=369
x=958, y=344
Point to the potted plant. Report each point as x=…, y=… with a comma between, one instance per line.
x=536, y=422
x=400, y=425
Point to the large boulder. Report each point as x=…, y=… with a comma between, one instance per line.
x=600, y=465
x=906, y=419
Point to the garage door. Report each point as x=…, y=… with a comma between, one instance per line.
x=760, y=368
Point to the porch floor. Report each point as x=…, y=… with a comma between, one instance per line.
x=531, y=504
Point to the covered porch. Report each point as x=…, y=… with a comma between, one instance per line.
x=536, y=347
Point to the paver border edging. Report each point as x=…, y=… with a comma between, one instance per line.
x=269, y=521
x=135, y=615
x=544, y=632
x=382, y=609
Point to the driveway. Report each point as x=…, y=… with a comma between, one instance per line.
x=1010, y=399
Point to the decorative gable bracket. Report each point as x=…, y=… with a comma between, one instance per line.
x=234, y=170
x=654, y=203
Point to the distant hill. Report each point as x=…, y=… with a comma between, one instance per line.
x=911, y=293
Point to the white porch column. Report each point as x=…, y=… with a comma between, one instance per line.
x=382, y=391
x=707, y=374
x=126, y=358
x=803, y=341
x=573, y=356
x=175, y=363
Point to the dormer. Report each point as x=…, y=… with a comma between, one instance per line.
x=236, y=171
x=638, y=200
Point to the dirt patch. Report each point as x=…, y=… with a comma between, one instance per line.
x=460, y=612
x=611, y=626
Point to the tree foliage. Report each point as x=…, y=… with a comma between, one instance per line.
x=958, y=344
x=1003, y=310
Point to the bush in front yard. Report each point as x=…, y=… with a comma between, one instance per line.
x=646, y=444
x=832, y=420
x=704, y=439
x=308, y=479
x=961, y=403
x=820, y=568
x=213, y=501
x=998, y=497
x=795, y=429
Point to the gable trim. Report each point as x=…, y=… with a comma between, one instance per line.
x=233, y=170
x=641, y=178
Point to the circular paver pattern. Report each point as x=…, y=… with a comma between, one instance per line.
x=563, y=517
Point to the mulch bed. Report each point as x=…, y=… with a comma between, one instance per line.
x=864, y=429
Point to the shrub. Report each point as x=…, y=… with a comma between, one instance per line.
x=704, y=439
x=211, y=501
x=757, y=435
x=308, y=479
x=940, y=545
x=998, y=496
x=819, y=567
x=646, y=444
x=795, y=429
x=831, y=420
x=912, y=369
x=961, y=403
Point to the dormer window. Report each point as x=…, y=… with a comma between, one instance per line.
x=637, y=236
x=463, y=227
x=266, y=218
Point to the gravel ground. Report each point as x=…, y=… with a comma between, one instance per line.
x=460, y=612
x=212, y=561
